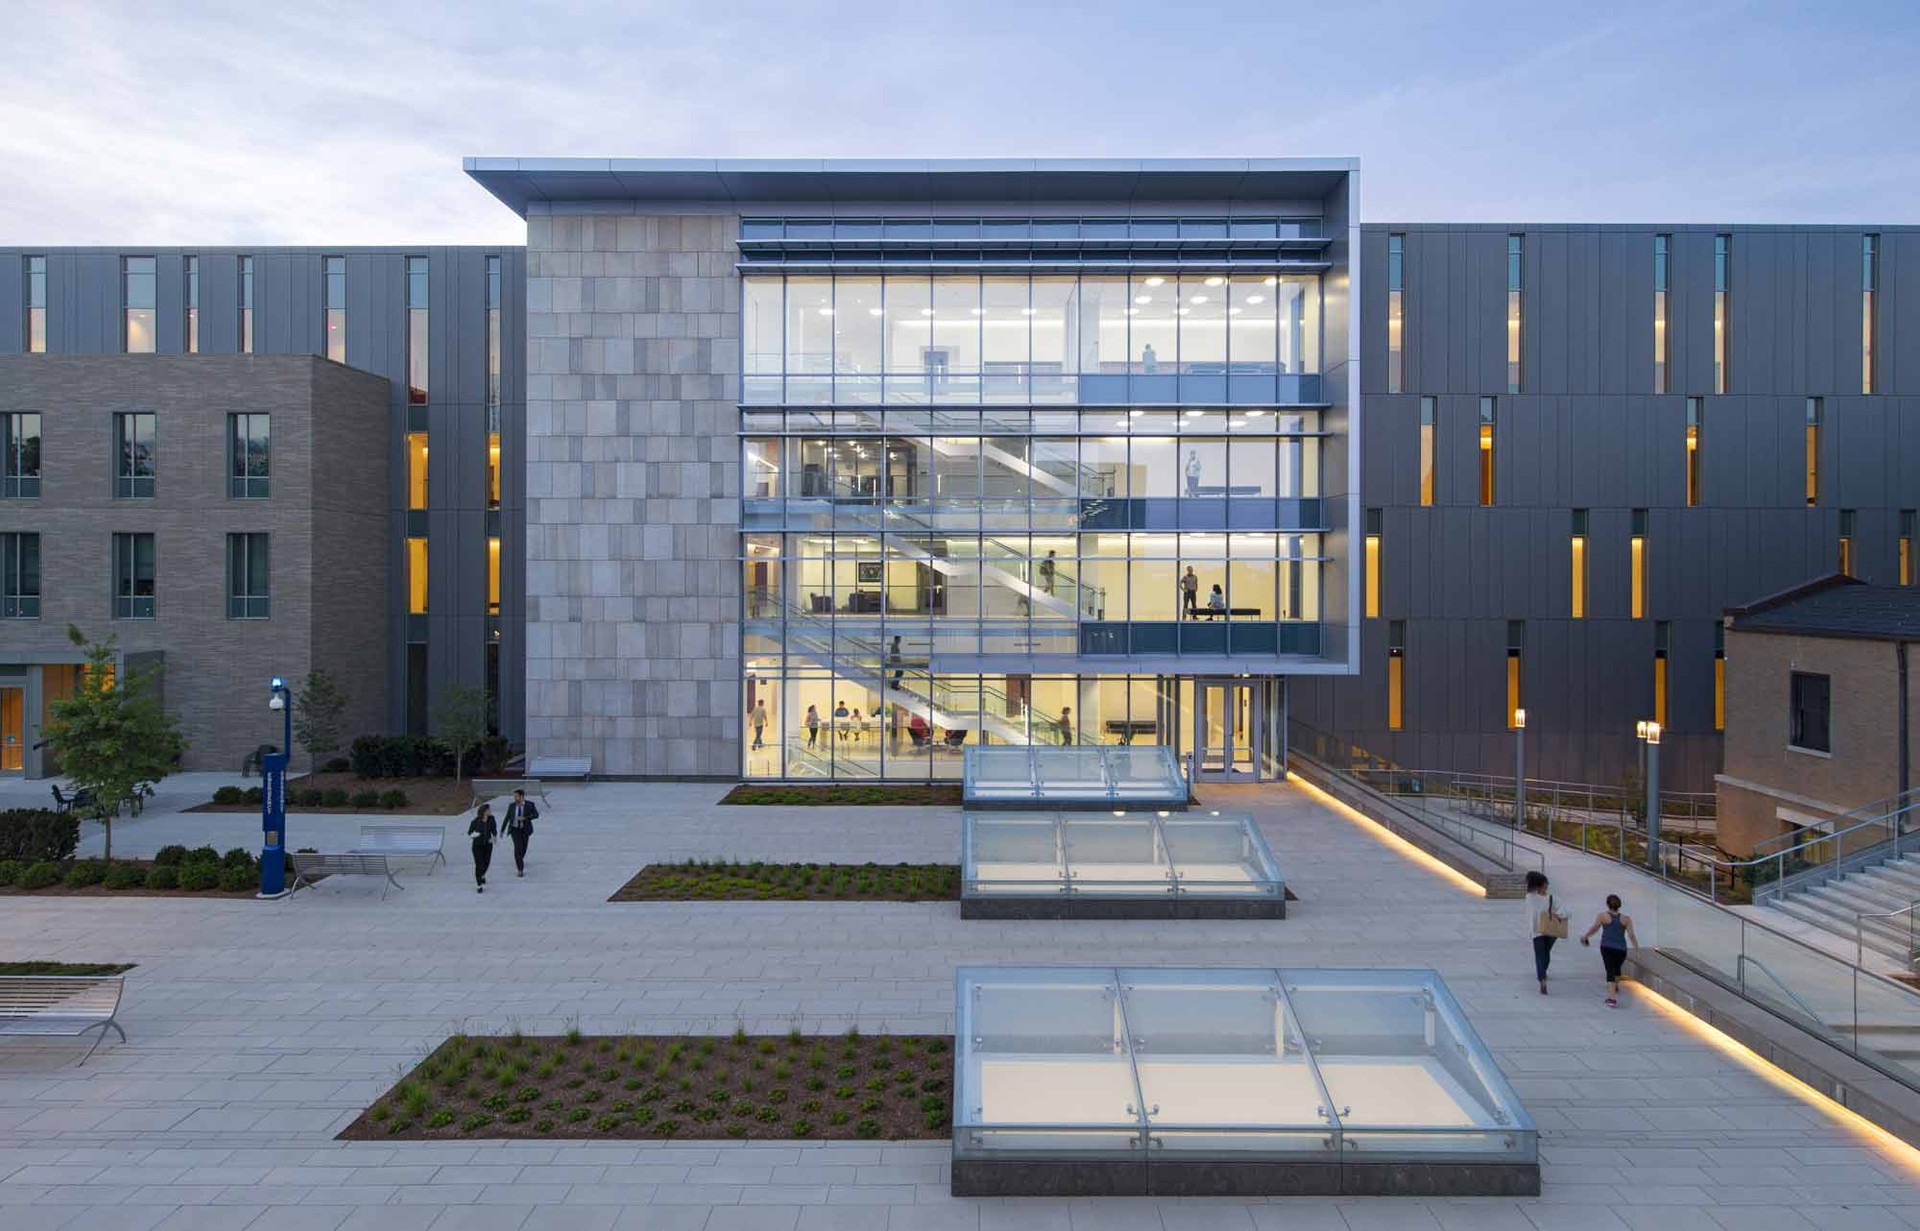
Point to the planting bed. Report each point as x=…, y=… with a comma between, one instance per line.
x=424, y=796
x=704, y=881
x=906, y=795
x=64, y=968
x=747, y=1087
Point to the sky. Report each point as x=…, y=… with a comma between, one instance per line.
x=261, y=121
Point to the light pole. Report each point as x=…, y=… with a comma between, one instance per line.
x=1519, y=769
x=273, y=796
x=1653, y=796
x=1640, y=737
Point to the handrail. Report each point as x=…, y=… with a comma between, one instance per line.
x=1747, y=959
x=1875, y=813
x=1860, y=918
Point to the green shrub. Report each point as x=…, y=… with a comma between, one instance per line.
x=306, y=797
x=866, y=1126
x=336, y=765
x=238, y=857
x=202, y=854
x=253, y=795
x=38, y=835
x=10, y=870
x=198, y=876
x=163, y=876
x=440, y=1119
x=475, y=1122
x=85, y=872
x=40, y=875
x=334, y=797
x=170, y=856
x=125, y=876
x=229, y=795
x=233, y=880
x=366, y=799
x=395, y=798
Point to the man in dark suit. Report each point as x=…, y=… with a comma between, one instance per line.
x=519, y=826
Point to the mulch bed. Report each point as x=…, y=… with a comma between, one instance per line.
x=903, y=795
x=64, y=968
x=425, y=796
x=653, y=1087
x=101, y=891
x=704, y=881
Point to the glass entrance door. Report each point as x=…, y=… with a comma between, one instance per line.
x=12, y=730
x=1227, y=730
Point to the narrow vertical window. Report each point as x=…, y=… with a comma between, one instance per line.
x=1516, y=271
x=1662, y=638
x=1429, y=416
x=138, y=290
x=20, y=454
x=1487, y=417
x=133, y=577
x=1719, y=676
x=1907, y=519
x=1637, y=563
x=1662, y=282
x=1396, y=313
x=417, y=330
x=335, y=291
x=417, y=576
x=246, y=305
x=248, y=472
x=36, y=340
x=1396, y=674
x=1577, y=545
x=1374, y=520
x=1695, y=428
x=135, y=465
x=193, y=305
x=19, y=576
x=1722, y=303
x=1516, y=649
x=493, y=331
x=493, y=576
x=1849, y=520
x=1869, y=283
x=1816, y=411
x=416, y=470
x=247, y=577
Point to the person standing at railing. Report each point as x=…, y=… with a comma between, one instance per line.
x=1616, y=930
x=1545, y=924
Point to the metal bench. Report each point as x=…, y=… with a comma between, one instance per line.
x=403, y=841
x=577, y=769
x=307, y=865
x=69, y=1005
x=485, y=789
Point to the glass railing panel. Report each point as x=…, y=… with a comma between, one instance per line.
x=1219, y=856
x=1012, y=855
x=1145, y=771
x=1222, y=1066
x=1697, y=932
x=1801, y=984
x=1886, y=1026
x=1115, y=856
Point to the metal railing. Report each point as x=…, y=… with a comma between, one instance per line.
x=1912, y=953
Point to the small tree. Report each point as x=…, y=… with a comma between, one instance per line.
x=316, y=716
x=111, y=735
x=460, y=721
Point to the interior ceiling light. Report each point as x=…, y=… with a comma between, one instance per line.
x=873, y=312
x=1135, y=414
x=979, y=311
x=1216, y=280
x=826, y=311
x=1256, y=299
x=1143, y=299
x=1197, y=299
x=1028, y=311
x=926, y=311
x=1133, y=311
x=1234, y=311
x=1156, y=281
x=1272, y=281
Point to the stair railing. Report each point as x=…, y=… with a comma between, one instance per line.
x=1909, y=961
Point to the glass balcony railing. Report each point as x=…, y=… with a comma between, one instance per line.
x=1201, y=384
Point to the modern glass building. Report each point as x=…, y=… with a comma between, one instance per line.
x=1027, y=452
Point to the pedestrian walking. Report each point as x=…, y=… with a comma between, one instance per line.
x=1616, y=932
x=893, y=660
x=1066, y=724
x=483, y=829
x=519, y=826
x=813, y=725
x=1190, y=592
x=1047, y=567
x=1545, y=924
x=759, y=724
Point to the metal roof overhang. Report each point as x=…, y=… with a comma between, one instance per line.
x=930, y=183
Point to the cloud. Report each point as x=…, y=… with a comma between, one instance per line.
x=209, y=121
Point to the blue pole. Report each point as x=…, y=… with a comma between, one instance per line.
x=273, y=801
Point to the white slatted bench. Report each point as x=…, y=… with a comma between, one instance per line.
x=575, y=769
x=403, y=842
x=67, y=1005
x=307, y=865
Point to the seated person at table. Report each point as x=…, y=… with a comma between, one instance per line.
x=918, y=731
x=1216, y=602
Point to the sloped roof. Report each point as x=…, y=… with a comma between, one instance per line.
x=1835, y=606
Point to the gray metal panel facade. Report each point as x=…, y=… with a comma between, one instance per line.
x=84, y=316
x=1589, y=432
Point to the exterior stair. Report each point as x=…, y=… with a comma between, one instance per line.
x=1835, y=907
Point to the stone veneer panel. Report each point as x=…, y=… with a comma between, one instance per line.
x=633, y=581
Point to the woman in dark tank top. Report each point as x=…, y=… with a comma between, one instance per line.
x=1616, y=931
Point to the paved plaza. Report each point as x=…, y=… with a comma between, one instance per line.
x=258, y=1030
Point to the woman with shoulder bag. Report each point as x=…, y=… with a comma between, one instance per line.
x=1546, y=923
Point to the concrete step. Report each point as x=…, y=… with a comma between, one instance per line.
x=1859, y=896
x=1827, y=919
